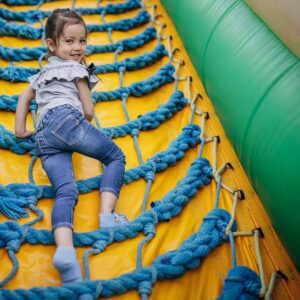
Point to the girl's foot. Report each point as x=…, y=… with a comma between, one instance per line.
x=65, y=261
x=112, y=219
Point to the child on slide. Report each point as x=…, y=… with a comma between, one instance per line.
x=63, y=93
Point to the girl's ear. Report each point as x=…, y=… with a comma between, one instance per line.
x=50, y=45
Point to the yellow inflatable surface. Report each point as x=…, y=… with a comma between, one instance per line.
x=204, y=282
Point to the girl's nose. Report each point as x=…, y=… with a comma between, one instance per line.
x=77, y=46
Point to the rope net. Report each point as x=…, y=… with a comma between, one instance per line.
x=180, y=191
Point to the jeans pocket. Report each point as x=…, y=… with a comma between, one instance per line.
x=69, y=130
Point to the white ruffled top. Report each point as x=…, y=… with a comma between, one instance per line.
x=56, y=84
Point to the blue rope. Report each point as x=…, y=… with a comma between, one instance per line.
x=97, y=121
x=146, y=122
x=13, y=234
x=135, y=131
x=22, y=54
x=30, y=169
x=28, y=32
x=25, y=2
x=32, y=16
x=15, y=196
x=137, y=89
x=241, y=283
x=124, y=99
x=14, y=270
x=99, y=246
x=171, y=205
x=149, y=231
x=40, y=59
x=39, y=212
x=170, y=265
x=150, y=176
x=13, y=240
x=21, y=74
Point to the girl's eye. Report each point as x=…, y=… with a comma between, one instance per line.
x=83, y=42
x=69, y=41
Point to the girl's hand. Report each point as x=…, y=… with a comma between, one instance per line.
x=25, y=134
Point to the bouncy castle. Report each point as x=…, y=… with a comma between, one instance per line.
x=203, y=97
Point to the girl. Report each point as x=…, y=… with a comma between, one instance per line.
x=65, y=110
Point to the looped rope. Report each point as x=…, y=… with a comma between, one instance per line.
x=23, y=54
x=28, y=32
x=134, y=132
x=100, y=245
x=13, y=245
x=12, y=235
x=149, y=229
x=120, y=49
x=241, y=283
x=150, y=176
x=145, y=289
x=124, y=96
x=21, y=74
x=137, y=89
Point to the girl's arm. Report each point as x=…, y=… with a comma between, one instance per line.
x=85, y=97
x=21, y=113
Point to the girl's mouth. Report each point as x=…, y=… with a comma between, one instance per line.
x=76, y=55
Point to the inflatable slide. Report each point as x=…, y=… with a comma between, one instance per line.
x=203, y=99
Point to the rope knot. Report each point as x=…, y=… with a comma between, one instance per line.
x=100, y=245
x=122, y=69
x=149, y=229
x=124, y=96
x=134, y=132
x=13, y=245
x=120, y=49
x=150, y=176
x=145, y=288
x=241, y=282
x=12, y=235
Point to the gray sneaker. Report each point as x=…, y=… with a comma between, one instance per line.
x=113, y=219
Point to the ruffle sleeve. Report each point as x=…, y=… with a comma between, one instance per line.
x=33, y=81
x=71, y=71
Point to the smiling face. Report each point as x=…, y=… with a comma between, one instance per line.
x=71, y=44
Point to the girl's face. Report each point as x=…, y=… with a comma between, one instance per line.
x=71, y=45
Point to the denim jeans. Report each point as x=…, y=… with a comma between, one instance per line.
x=62, y=131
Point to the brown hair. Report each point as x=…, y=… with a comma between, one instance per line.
x=57, y=21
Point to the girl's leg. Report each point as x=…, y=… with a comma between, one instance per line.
x=96, y=145
x=108, y=202
x=59, y=169
x=71, y=132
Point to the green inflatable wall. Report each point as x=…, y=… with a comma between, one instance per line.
x=254, y=82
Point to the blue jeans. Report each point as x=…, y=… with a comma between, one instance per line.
x=62, y=131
